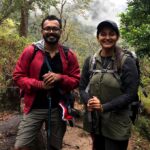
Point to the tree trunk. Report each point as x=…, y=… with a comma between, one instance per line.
x=24, y=20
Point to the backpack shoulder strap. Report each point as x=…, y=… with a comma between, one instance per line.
x=66, y=49
x=92, y=63
x=34, y=53
x=92, y=66
x=123, y=59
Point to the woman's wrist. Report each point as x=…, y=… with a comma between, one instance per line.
x=101, y=108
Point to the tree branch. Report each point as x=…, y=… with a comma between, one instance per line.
x=9, y=8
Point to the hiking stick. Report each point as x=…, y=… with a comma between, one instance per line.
x=49, y=123
x=49, y=110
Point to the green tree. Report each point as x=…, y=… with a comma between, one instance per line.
x=11, y=46
x=24, y=8
x=81, y=39
x=135, y=25
x=7, y=7
x=135, y=29
x=64, y=9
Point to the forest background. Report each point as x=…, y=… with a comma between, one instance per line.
x=20, y=26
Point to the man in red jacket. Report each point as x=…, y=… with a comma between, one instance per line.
x=38, y=83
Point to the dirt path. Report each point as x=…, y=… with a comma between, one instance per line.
x=8, y=127
x=75, y=138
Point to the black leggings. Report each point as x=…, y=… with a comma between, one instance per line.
x=102, y=143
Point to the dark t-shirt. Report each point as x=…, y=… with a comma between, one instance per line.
x=41, y=100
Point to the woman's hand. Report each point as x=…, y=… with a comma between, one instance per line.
x=94, y=103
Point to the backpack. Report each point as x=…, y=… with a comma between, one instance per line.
x=135, y=106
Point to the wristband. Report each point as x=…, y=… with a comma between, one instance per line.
x=101, y=109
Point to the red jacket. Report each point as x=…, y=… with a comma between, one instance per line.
x=26, y=73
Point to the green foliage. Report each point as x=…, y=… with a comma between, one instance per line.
x=11, y=46
x=135, y=30
x=8, y=26
x=145, y=72
x=81, y=39
x=142, y=126
x=7, y=7
x=135, y=26
x=65, y=9
x=146, y=105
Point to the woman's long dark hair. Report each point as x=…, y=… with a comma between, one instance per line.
x=118, y=56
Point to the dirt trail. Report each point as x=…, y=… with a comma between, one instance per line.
x=75, y=138
x=8, y=128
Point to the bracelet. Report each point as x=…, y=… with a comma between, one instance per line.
x=101, y=109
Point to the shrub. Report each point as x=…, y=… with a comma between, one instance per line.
x=143, y=127
x=11, y=46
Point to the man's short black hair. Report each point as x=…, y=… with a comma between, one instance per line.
x=107, y=23
x=51, y=17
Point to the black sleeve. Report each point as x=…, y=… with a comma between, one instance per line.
x=130, y=82
x=84, y=80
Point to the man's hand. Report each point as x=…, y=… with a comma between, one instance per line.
x=94, y=103
x=49, y=79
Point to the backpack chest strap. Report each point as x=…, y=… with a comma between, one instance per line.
x=103, y=71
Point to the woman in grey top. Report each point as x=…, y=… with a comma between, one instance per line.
x=107, y=90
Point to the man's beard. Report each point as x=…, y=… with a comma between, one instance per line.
x=51, y=38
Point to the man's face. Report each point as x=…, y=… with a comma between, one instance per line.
x=51, y=31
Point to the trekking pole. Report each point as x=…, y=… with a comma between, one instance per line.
x=49, y=109
x=49, y=123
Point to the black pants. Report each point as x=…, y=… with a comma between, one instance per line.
x=102, y=143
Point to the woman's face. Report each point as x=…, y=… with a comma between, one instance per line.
x=107, y=38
